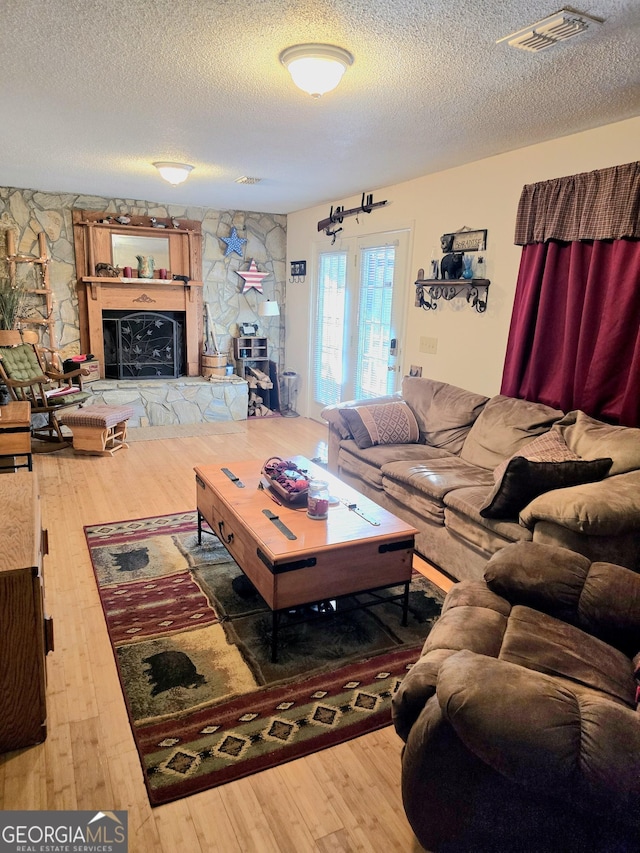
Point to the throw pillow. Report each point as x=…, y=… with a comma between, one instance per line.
x=545, y=464
x=548, y=447
x=593, y=439
x=385, y=423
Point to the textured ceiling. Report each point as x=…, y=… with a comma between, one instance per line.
x=93, y=92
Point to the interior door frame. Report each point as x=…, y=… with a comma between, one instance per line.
x=352, y=245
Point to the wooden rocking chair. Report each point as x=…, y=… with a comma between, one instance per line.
x=24, y=370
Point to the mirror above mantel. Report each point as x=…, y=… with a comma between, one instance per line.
x=125, y=248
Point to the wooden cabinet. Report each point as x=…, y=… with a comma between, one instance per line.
x=250, y=349
x=15, y=435
x=25, y=633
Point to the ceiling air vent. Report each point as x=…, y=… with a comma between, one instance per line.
x=245, y=180
x=558, y=27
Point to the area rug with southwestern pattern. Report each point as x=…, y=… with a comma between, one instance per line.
x=191, y=640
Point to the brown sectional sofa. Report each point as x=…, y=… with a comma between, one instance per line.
x=441, y=482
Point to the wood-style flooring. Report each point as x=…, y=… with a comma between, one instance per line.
x=346, y=798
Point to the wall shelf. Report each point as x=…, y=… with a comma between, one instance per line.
x=40, y=264
x=133, y=226
x=429, y=291
x=251, y=352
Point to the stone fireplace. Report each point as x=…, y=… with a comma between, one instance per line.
x=106, y=296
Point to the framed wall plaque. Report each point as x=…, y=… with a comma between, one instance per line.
x=464, y=241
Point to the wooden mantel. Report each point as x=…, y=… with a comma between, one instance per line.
x=93, y=231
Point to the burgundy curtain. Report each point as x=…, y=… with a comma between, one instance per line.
x=574, y=341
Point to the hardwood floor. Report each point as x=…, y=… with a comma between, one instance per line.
x=346, y=798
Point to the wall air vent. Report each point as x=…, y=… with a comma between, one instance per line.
x=245, y=180
x=548, y=32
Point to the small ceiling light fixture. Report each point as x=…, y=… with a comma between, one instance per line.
x=316, y=68
x=174, y=173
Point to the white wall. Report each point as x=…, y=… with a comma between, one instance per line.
x=484, y=194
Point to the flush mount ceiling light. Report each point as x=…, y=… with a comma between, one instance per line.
x=174, y=173
x=316, y=68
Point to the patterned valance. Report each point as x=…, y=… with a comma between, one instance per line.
x=599, y=205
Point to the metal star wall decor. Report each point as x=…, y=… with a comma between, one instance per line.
x=252, y=278
x=234, y=243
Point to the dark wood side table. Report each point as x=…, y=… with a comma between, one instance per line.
x=26, y=634
x=15, y=436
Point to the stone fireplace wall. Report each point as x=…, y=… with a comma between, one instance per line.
x=30, y=211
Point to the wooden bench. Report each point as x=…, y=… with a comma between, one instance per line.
x=100, y=430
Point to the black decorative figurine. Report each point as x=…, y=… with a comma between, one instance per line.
x=451, y=265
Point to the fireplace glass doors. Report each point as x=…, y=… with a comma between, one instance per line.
x=143, y=344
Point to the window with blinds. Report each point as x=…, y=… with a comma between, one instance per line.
x=373, y=377
x=329, y=332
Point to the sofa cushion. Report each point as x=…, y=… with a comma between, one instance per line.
x=504, y=427
x=422, y=485
x=463, y=520
x=365, y=463
x=444, y=412
x=436, y=477
x=388, y=423
x=429, y=510
x=592, y=439
x=524, y=479
x=478, y=628
x=600, y=509
x=491, y=626
x=540, y=642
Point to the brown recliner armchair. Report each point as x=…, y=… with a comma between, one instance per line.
x=519, y=719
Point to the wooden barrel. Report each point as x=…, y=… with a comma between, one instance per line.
x=214, y=365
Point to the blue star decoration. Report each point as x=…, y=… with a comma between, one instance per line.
x=234, y=243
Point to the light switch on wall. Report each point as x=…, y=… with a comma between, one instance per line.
x=429, y=345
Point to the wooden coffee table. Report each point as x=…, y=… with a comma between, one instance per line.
x=342, y=555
